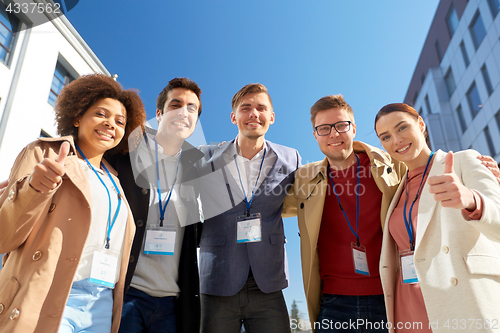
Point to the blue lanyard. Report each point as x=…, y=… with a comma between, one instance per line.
x=110, y=224
x=249, y=203
x=357, y=201
x=163, y=208
x=409, y=226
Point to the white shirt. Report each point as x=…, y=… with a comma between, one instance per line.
x=96, y=239
x=249, y=168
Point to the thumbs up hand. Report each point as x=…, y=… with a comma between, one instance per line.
x=448, y=189
x=47, y=174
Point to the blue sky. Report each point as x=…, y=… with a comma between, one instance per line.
x=301, y=50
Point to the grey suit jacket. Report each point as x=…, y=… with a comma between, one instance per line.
x=224, y=263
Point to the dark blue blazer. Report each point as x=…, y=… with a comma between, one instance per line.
x=225, y=264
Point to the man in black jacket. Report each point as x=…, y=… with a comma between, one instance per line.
x=159, y=181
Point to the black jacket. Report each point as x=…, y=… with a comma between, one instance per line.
x=188, y=302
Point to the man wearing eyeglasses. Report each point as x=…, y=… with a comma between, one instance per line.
x=340, y=203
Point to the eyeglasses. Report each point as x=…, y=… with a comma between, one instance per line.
x=340, y=127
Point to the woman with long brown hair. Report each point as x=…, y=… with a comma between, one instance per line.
x=440, y=261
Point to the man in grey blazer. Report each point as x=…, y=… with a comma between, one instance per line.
x=242, y=258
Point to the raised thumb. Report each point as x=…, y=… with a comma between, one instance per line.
x=448, y=163
x=63, y=152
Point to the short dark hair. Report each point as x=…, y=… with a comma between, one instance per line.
x=178, y=82
x=77, y=97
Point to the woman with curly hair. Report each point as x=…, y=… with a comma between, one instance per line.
x=64, y=222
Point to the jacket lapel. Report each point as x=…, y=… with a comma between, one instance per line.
x=395, y=199
x=317, y=186
x=427, y=204
x=217, y=159
x=277, y=172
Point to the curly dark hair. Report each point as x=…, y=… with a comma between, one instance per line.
x=75, y=99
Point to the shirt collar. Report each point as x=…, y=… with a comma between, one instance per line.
x=234, y=149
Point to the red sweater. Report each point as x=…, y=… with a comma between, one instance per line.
x=334, y=243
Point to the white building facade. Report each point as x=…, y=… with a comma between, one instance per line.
x=36, y=61
x=459, y=98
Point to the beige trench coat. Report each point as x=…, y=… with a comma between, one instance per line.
x=307, y=198
x=44, y=236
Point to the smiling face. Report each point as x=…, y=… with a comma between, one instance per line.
x=401, y=134
x=336, y=146
x=253, y=115
x=178, y=118
x=101, y=127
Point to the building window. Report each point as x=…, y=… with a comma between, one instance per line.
x=486, y=78
x=8, y=25
x=415, y=95
x=474, y=100
x=491, y=146
x=452, y=20
x=438, y=50
x=464, y=54
x=427, y=104
x=422, y=78
x=420, y=112
x=450, y=82
x=494, y=7
x=461, y=119
x=477, y=30
x=61, y=79
x=497, y=117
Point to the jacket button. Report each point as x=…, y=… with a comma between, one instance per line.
x=445, y=249
x=131, y=259
x=37, y=256
x=140, y=223
x=52, y=207
x=389, y=170
x=14, y=314
x=2, y=307
x=144, y=191
x=12, y=194
x=301, y=205
x=454, y=281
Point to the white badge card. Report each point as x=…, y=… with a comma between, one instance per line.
x=103, y=271
x=160, y=242
x=408, y=267
x=248, y=228
x=360, y=260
